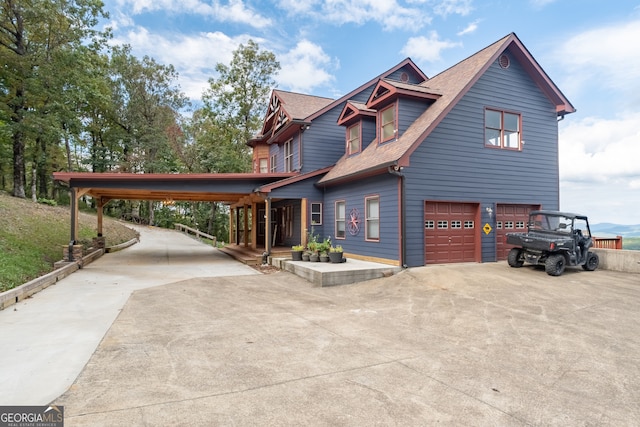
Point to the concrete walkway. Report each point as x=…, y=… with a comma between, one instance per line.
x=46, y=340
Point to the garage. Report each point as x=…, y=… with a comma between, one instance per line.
x=450, y=232
x=510, y=219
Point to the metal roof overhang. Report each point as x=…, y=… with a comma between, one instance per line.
x=220, y=187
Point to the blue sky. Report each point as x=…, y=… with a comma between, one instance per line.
x=327, y=48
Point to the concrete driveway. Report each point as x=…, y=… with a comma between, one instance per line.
x=470, y=344
x=46, y=340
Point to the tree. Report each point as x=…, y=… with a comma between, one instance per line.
x=147, y=104
x=234, y=105
x=37, y=39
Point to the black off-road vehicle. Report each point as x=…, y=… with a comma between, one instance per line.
x=553, y=239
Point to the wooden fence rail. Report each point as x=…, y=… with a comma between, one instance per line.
x=197, y=233
x=608, y=242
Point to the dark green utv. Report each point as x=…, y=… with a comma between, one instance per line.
x=553, y=239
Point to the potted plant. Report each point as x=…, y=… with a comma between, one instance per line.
x=296, y=252
x=323, y=249
x=336, y=254
x=313, y=251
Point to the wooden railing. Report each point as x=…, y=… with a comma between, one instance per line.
x=197, y=233
x=608, y=242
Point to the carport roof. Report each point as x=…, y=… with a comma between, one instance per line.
x=214, y=187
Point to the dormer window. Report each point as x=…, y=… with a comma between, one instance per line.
x=353, y=139
x=388, y=123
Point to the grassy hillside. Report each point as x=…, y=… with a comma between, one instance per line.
x=631, y=243
x=32, y=236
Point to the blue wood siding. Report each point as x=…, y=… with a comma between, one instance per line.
x=413, y=76
x=324, y=143
x=368, y=131
x=408, y=111
x=275, y=149
x=354, y=194
x=453, y=163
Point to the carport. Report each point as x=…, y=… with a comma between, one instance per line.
x=239, y=190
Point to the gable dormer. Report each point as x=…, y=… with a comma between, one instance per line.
x=395, y=101
x=354, y=110
x=360, y=126
x=387, y=91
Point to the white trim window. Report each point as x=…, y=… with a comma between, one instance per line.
x=372, y=218
x=288, y=156
x=316, y=213
x=341, y=219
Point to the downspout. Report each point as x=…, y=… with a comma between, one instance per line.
x=397, y=171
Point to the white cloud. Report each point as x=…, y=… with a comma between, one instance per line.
x=599, y=168
x=607, y=149
x=606, y=57
x=232, y=11
x=390, y=14
x=193, y=56
x=453, y=7
x=426, y=49
x=469, y=29
x=304, y=67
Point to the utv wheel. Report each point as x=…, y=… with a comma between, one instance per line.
x=554, y=265
x=515, y=258
x=592, y=262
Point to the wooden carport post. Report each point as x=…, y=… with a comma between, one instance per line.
x=267, y=226
x=99, y=242
x=246, y=225
x=73, y=252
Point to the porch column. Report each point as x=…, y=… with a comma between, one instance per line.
x=100, y=206
x=73, y=252
x=246, y=225
x=303, y=222
x=254, y=225
x=267, y=225
x=99, y=241
x=232, y=220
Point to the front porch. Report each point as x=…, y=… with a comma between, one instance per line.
x=318, y=273
x=253, y=256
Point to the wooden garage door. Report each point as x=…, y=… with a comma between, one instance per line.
x=510, y=219
x=450, y=232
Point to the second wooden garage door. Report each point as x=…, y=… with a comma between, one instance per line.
x=510, y=219
x=450, y=232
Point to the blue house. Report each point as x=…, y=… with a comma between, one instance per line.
x=410, y=170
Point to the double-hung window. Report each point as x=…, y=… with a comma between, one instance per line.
x=353, y=139
x=316, y=213
x=288, y=156
x=340, y=219
x=502, y=129
x=372, y=218
x=388, y=123
x=263, y=166
x=273, y=167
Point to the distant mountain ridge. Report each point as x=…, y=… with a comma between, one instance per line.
x=607, y=229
